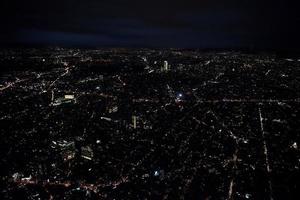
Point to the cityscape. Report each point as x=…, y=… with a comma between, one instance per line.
x=141, y=123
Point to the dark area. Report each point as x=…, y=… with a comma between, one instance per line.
x=148, y=124
x=268, y=25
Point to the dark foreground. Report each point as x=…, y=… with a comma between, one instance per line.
x=209, y=126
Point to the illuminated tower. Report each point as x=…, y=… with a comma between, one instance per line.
x=166, y=66
x=134, y=119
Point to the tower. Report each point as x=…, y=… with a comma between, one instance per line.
x=134, y=119
x=166, y=66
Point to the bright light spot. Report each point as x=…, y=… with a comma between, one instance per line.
x=295, y=145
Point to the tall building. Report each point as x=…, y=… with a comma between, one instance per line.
x=166, y=66
x=134, y=121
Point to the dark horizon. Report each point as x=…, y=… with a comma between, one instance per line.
x=232, y=25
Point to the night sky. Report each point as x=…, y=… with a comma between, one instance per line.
x=257, y=24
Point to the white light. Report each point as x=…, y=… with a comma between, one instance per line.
x=295, y=145
x=156, y=173
x=69, y=96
